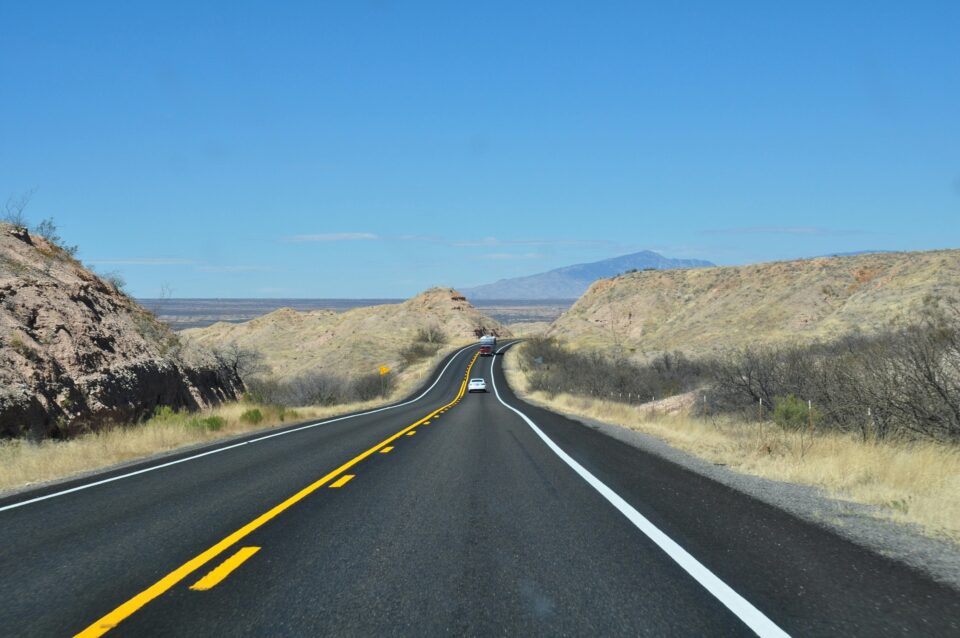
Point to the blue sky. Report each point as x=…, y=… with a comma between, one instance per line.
x=373, y=149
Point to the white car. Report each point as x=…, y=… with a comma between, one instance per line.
x=477, y=385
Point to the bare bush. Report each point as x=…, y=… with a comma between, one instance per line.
x=13, y=209
x=428, y=341
x=317, y=388
x=417, y=351
x=553, y=369
x=431, y=334
x=243, y=363
x=48, y=230
x=903, y=382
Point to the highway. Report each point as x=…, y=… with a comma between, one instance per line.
x=450, y=514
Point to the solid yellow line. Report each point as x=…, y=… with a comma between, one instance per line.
x=343, y=480
x=115, y=617
x=223, y=570
x=386, y=449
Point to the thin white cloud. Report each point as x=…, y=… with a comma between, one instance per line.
x=812, y=231
x=229, y=269
x=334, y=237
x=143, y=261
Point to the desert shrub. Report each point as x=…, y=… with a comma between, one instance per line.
x=252, y=417
x=431, y=334
x=48, y=229
x=116, y=280
x=792, y=413
x=416, y=352
x=164, y=413
x=428, y=341
x=211, y=423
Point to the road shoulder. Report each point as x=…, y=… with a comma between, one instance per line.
x=940, y=559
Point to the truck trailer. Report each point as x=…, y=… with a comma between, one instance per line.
x=487, y=345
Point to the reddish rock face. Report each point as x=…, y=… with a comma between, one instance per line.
x=76, y=353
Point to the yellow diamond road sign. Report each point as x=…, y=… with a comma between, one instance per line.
x=384, y=370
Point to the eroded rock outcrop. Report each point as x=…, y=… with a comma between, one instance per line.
x=76, y=353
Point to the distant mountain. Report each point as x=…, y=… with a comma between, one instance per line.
x=570, y=282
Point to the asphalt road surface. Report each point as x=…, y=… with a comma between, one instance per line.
x=451, y=514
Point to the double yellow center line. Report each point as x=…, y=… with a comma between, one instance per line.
x=115, y=617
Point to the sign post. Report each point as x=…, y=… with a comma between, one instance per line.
x=384, y=371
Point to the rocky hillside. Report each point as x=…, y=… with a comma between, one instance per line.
x=76, y=353
x=712, y=309
x=570, y=282
x=353, y=342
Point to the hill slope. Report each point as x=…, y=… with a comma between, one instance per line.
x=570, y=282
x=76, y=353
x=712, y=309
x=353, y=342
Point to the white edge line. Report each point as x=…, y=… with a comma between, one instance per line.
x=235, y=445
x=750, y=615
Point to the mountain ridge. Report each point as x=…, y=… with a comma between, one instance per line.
x=570, y=282
x=711, y=310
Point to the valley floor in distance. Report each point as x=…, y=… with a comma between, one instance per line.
x=182, y=314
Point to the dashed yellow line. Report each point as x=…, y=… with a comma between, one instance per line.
x=343, y=480
x=162, y=586
x=386, y=449
x=223, y=570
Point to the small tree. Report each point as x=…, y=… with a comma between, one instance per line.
x=242, y=362
x=792, y=413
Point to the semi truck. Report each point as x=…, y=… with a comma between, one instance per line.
x=487, y=345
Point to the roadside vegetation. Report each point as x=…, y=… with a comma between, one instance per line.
x=268, y=403
x=319, y=389
x=903, y=384
x=24, y=463
x=871, y=420
x=428, y=341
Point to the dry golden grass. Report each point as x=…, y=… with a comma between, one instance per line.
x=910, y=482
x=23, y=463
